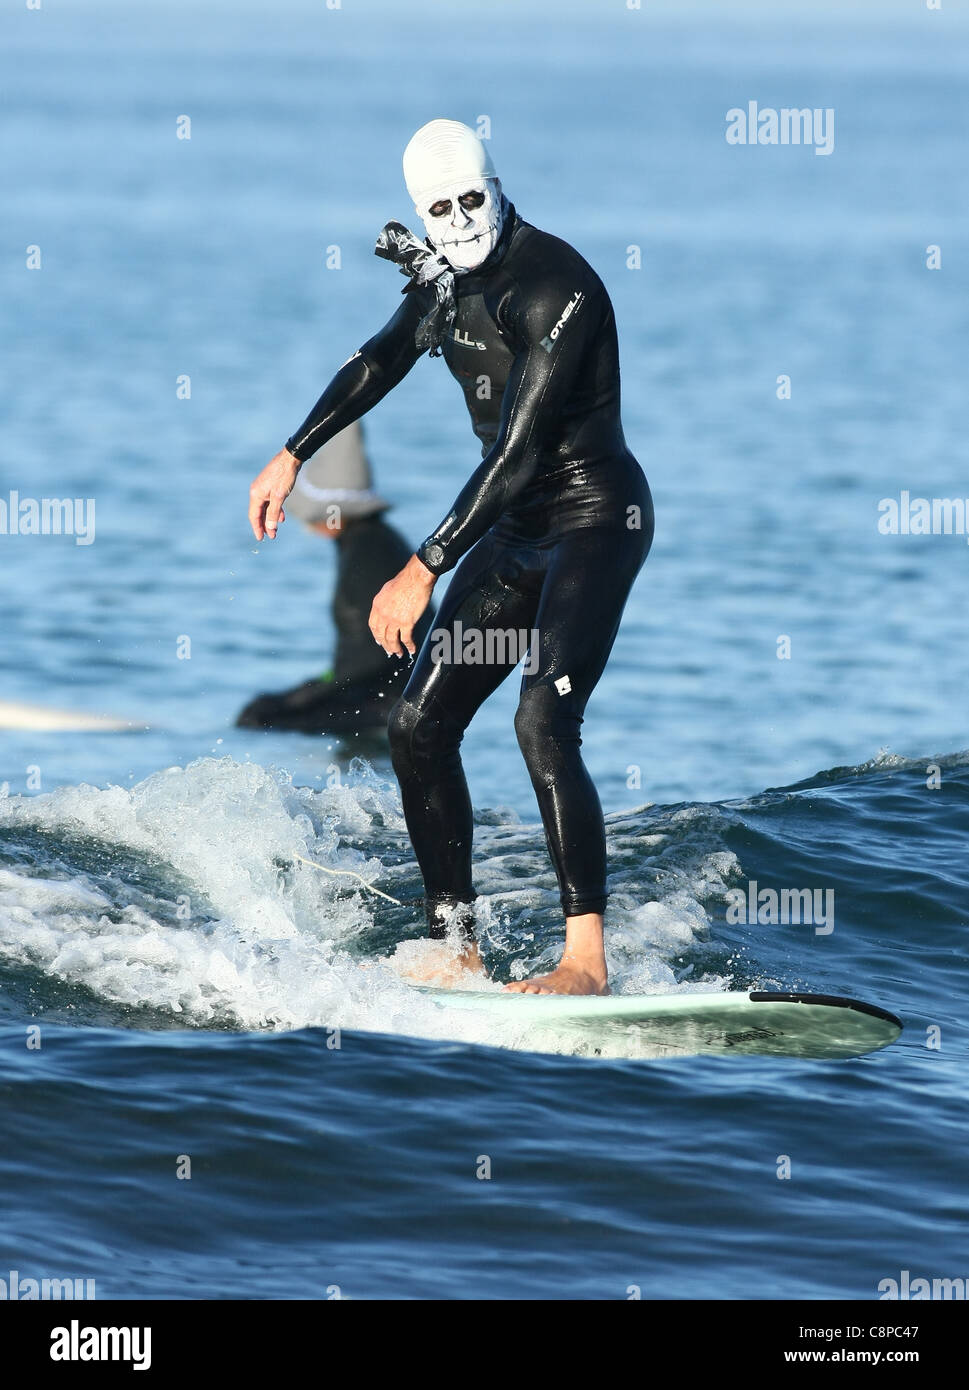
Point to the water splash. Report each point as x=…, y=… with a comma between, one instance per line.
x=188, y=895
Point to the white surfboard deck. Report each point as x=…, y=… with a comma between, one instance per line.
x=689, y=1023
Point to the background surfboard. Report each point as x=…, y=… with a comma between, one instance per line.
x=24, y=716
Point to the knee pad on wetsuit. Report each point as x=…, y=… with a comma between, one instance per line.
x=419, y=739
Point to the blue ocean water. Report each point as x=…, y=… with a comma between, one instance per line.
x=200, y=990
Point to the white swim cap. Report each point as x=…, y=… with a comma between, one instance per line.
x=443, y=154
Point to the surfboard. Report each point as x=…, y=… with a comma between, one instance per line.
x=741, y=1023
x=45, y=720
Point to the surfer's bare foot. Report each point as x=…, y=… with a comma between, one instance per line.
x=470, y=958
x=582, y=969
x=566, y=979
x=444, y=964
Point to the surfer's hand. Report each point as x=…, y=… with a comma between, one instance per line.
x=399, y=605
x=269, y=492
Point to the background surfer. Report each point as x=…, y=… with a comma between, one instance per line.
x=550, y=530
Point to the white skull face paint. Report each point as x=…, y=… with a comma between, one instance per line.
x=455, y=189
x=463, y=221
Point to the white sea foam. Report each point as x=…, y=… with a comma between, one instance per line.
x=226, y=927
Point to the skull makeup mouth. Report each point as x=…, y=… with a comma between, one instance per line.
x=456, y=192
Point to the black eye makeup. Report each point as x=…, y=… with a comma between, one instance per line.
x=470, y=201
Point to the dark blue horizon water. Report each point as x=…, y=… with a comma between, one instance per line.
x=185, y=968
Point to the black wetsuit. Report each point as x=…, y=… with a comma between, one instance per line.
x=360, y=690
x=550, y=530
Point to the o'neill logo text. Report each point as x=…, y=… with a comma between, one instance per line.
x=548, y=342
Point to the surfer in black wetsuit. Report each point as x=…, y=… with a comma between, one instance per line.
x=550, y=530
x=335, y=497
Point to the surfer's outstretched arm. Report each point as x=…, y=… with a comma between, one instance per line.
x=372, y=371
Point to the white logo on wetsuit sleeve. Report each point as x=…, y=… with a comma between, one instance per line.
x=548, y=342
x=563, y=685
x=465, y=341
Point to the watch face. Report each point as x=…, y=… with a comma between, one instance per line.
x=434, y=554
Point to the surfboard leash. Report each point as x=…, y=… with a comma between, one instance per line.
x=349, y=873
